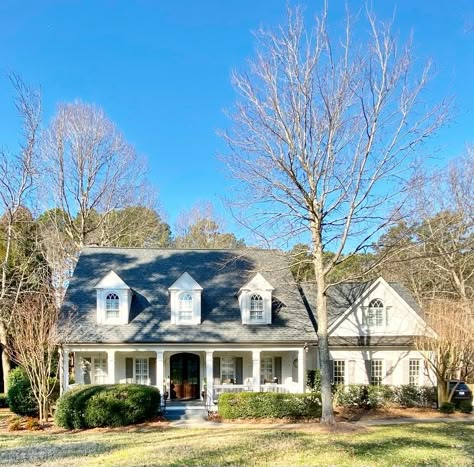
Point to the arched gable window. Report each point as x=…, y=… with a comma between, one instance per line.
x=185, y=306
x=256, y=307
x=376, y=314
x=112, y=305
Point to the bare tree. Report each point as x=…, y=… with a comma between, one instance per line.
x=17, y=171
x=447, y=344
x=325, y=141
x=90, y=172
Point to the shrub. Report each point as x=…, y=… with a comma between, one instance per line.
x=313, y=380
x=20, y=396
x=353, y=395
x=107, y=405
x=14, y=423
x=465, y=406
x=3, y=400
x=380, y=396
x=268, y=405
x=32, y=424
x=408, y=395
x=447, y=407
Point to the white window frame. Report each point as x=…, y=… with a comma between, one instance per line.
x=414, y=379
x=147, y=360
x=376, y=318
x=376, y=365
x=185, y=307
x=262, y=369
x=115, y=311
x=228, y=363
x=103, y=369
x=342, y=374
x=257, y=309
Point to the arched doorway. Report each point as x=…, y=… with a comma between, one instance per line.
x=184, y=376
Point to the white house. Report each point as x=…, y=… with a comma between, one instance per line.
x=196, y=323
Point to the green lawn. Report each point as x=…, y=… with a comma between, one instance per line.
x=433, y=443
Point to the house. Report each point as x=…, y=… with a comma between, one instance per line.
x=197, y=323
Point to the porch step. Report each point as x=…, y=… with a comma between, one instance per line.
x=186, y=412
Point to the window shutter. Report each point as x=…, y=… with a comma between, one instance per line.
x=351, y=373
x=152, y=370
x=239, y=370
x=406, y=371
x=388, y=372
x=129, y=370
x=217, y=370
x=368, y=371
x=331, y=370
x=86, y=370
x=364, y=317
x=387, y=315
x=278, y=369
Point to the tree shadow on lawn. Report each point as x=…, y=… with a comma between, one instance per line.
x=53, y=451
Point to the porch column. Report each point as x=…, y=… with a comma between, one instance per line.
x=111, y=366
x=65, y=367
x=302, y=370
x=256, y=370
x=209, y=377
x=160, y=371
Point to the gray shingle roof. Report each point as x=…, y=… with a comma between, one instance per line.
x=221, y=273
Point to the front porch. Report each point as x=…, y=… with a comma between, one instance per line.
x=186, y=373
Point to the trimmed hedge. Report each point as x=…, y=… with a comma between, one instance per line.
x=3, y=400
x=368, y=396
x=20, y=397
x=447, y=407
x=268, y=405
x=465, y=406
x=107, y=406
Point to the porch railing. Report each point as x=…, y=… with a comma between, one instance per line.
x=279, y=388
x=235, y=388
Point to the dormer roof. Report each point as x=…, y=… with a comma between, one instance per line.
x=112, y=281
x=258, y=282
x=185, y=282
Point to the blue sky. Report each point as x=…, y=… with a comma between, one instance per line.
x=161, y=71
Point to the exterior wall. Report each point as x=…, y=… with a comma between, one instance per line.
x=395, y=365
x=401, y=320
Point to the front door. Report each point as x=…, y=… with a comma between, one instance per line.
x=184, y=376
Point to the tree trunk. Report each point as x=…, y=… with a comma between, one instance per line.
x=327, y=416
x=5, y=359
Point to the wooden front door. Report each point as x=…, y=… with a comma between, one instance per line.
x=184, y=372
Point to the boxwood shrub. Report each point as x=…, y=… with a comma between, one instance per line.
x=107, y=406
x=3, y=400
x=447, y=407
x=20, y=397
x=268, y=405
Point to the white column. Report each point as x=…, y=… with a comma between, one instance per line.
x=65, y=374
x=210, y=376
x=256, y=370
x=111, y=366
x=301, y=370
x=160, y=371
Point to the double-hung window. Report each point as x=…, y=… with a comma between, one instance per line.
x=141, y=371
x=339, y=371
x=266, y=370
x=256, y=308
x=185, y=307
x=376, y=372
x=414, y=372
x=375, y=314
x=112, y=306
x=99, y=370
x=228, y=369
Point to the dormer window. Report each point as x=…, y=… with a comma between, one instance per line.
x=256, y=307
x=112, y=306
x=185, y=307
x=376, y=314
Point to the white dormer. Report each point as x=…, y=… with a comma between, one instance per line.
x=114, y=298
x=255, y=301
x=185, y=295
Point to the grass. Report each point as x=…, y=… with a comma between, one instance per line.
x=433, y=443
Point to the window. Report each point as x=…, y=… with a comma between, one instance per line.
x=375, y=315
x=100, y=370
x=228, y=369
x=339, y=371
x=266, y=370
x=256, y=307
x=414, y=372
x=141, y=371
x=112, y=305
x=376, y=372
x=185, y=307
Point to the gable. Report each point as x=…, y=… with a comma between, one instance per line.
x=111, y=281
x=401, y=318
x=185, y=282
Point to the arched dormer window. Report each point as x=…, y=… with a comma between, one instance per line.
x=376, y=314
x=112, y=305
x=256, y=307
x=185, y=307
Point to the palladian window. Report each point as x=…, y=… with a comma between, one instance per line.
x=185, y=307
x=256, y=307
x=112, y=305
